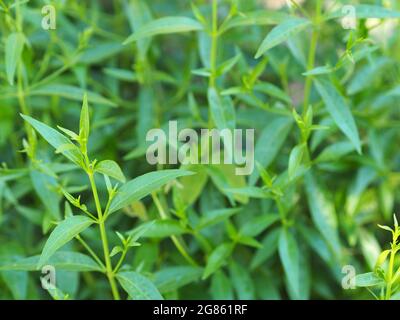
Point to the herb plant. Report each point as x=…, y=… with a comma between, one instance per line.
x=317, y=81
x=385, y=277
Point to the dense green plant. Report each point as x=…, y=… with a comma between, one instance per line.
x=385, y=278
x=72, y=226
x=322, y=101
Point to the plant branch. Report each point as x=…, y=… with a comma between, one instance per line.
x=104, y=240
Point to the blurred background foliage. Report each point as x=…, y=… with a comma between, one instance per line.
x=328, y=208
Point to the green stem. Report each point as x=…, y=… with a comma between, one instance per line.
x=91, y=252
x=104, y=240
x=25, y=110
x=123, y=255
x=390, y=275
x=311, y=56
x=214, y=43
x=281, y=210
x=52, y=76
x=175, y=240
x=21, y=94
x=213, y=52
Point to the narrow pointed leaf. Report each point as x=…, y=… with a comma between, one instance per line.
x=290, y=258
x=339, y=110
x=217, y=258
x=281, y=33
x=222, y=110
x=111, y=169
x=138, y=287
x=165, y=25
x=369, y=279
x=172, y=278
x=54, y=138
x=63, y=260
x=63, y=233
x=70, y=92
x=323, y=214
x=142, y=186
x=84, y=125
x=14, y=47
x=295, y=159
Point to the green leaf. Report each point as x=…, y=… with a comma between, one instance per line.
x=339, y=110
x=335, y=151
x=138, y=14
x=275, y=132
x=273, y=91
x=14, y=47
x=164, y=25
x=261, y=17
x=269, y=247
x=17, y=282
x=365, y=11
x=64, y=260
x=65, y=231
x=70, y=92
x=45, y=187
x=138, y=287
x=370, y=248
x=318, y=71
x=251, y=192
x=323, y=214
x=295, y=159
x=84, y=123
x=121, y=74
x=68, y=282
x=369, y=279
x=222, y=110
x=100, y=52
x=249, y=241
x=281, y=33
x=366, y=76
x=161, y=228
x=385, y=228
x=190, y=187
x=111, y=169
x=173, y=278
x=227, y=65
x=224, y=177
x=215, y=216
x=193, y=106
x=142, y=186
x=290, y=258
x=386, y=198
x=364, y=177
x=139, y=231
x=57, y=294
x=256, y=225
x=217, y=259
x=146, y=110
x=115, y=251
x=56, y=139
x=221, y=287
x=242, y=281
x=316, y=242
x=381, y=259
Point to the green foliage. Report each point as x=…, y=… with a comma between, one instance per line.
x=384, y=280
x=78, y=194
